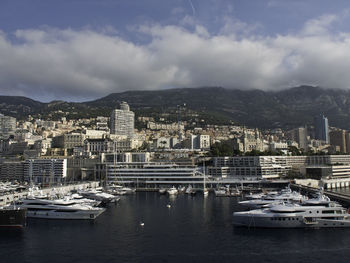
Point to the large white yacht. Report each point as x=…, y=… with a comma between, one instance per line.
x=98, y=195
x=274, y=199
x=59, y=209
x=294, y=216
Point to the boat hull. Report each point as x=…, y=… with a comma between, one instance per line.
x=12, y=217
x=286, y=222
x=81, y=215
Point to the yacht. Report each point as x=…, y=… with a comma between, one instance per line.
x=120, y=190
x=79, y=199
x=11, y=216
x=59, y=209
x=162, y=191
x=294, y=216
x=205, y=192
x=181, y=189
x=274, y=199
x=189, y=189
x=222, y=192
x=172, y=191
x=98, y=195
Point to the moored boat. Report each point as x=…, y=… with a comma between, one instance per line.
x=59, y=209
x=294, y=216
x=12, y=216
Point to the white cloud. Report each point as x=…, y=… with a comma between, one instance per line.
x=319, y=25
x=53, y=63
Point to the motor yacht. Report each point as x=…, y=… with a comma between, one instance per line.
x=294, y=216
x=98, y=195
x=12, y=216
x=189, y=189
x=172, y=191
x=59, y=209
x=222, y=191
x=274, y=199
x=162, y=191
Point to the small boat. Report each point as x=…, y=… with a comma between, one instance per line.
x=12, y=216
x=205, y=192
x=188, y=189
x=181, y=189
x=162, y=191
x=222, y=192
x=172, y=191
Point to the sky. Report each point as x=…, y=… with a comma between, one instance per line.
x=80, y=50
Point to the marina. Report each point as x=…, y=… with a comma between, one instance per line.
x=148, y=227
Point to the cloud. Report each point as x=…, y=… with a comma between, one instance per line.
x=52, y=63
x=319, y=25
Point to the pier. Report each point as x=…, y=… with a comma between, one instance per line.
x=10, y=198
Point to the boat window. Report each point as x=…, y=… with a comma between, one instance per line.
x=328, y=212
x=35, y=204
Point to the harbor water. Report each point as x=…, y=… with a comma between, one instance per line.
x=191, y=229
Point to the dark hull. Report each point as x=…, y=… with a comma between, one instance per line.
x=12, y=217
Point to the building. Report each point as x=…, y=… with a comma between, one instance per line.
x=249, y=167
x=7, y=126
x=200, y=142
x=327, y=171
x=249, y=141
x=12, y=170
x=338, y=139
x=300, y=136
x=136, y=169
x=45, y=171
x=122, y=121
x=68, y=140
x=321, y=128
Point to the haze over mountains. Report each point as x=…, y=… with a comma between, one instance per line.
x=255, y=108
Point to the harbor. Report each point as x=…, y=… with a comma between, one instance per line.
x=193, y=229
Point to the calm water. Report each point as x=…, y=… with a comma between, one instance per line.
x=192, y=230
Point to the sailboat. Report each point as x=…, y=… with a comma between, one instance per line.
x=205, y=190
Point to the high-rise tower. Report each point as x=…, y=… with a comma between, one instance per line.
x=321, y=128
x=123, y=121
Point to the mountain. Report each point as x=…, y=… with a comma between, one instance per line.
x=264, y=109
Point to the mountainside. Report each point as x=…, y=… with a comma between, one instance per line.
x=288, y=108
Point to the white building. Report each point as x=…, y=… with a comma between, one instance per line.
x=7, y=126
x=123, y=121
x=199, y=142
x=253, y=167
x=45, y=171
